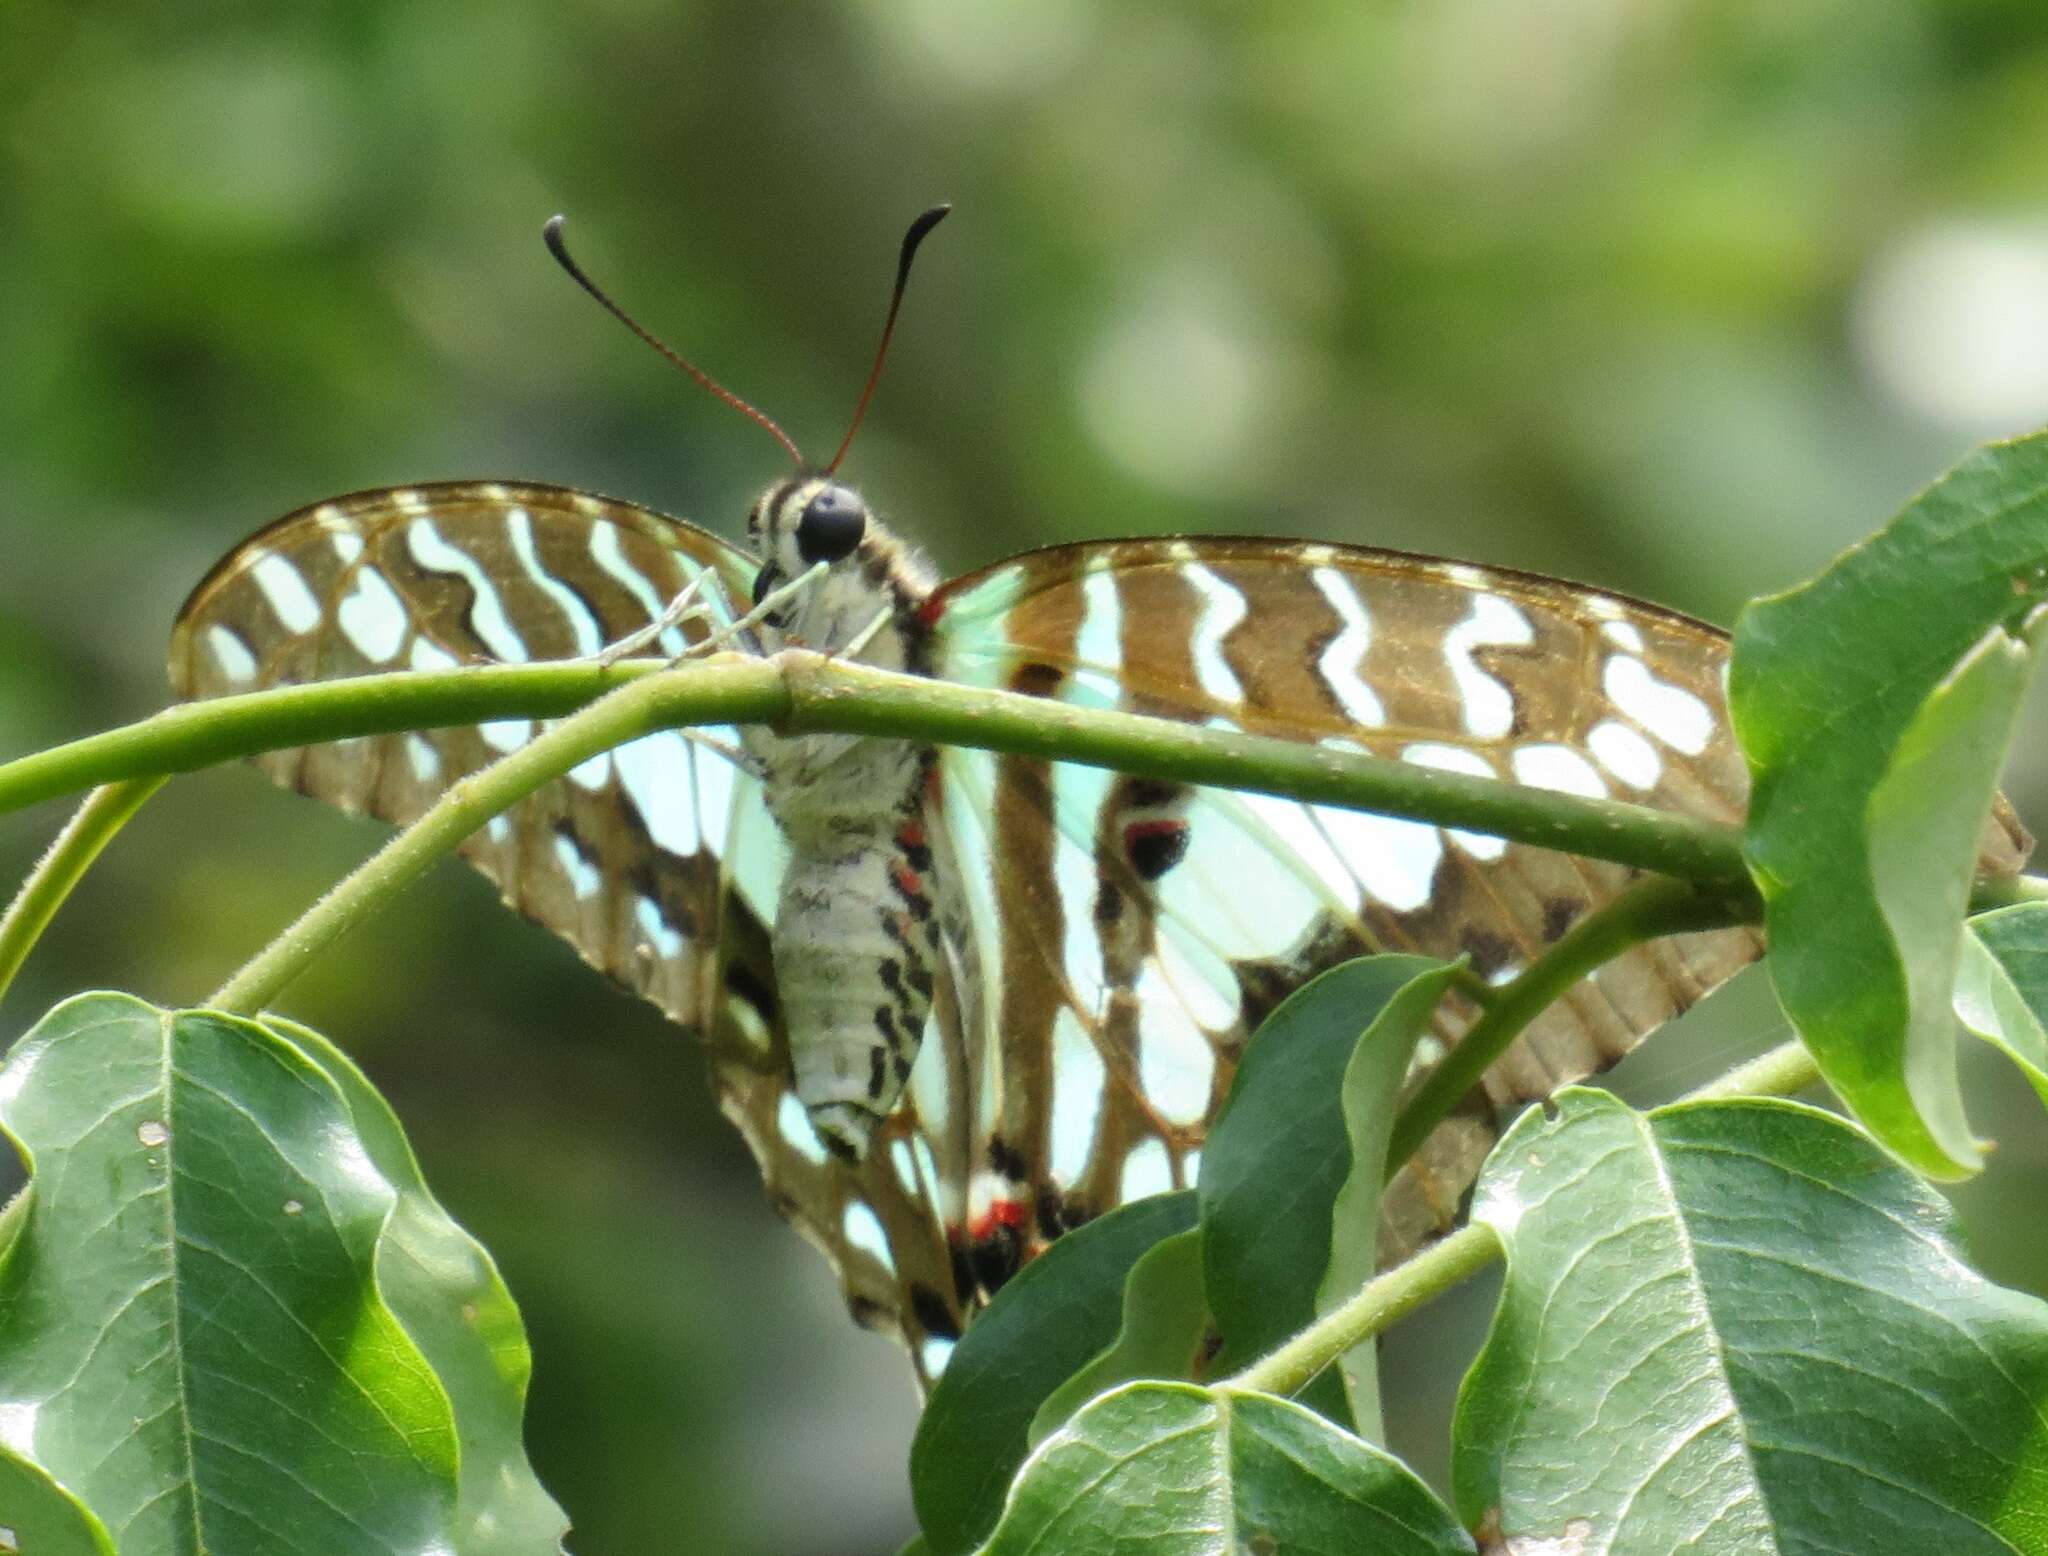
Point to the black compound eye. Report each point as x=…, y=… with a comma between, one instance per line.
x=831, y=526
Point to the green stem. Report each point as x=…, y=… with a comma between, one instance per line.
x=1391, y=1296
x=628, y=713
x=1784, y=1071
x=807, y=693
x=193, y=735
x=1644, y=911
x=1379, y=1303
x=105, y=811
x=2005, y=891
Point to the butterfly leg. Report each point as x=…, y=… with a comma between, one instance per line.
x=764, y=609
x=862, y=638
x=684, y=607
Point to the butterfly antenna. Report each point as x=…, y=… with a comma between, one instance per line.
x=911, y=239
x=552, y=234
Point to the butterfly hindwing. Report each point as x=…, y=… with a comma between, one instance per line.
x=1153, y=925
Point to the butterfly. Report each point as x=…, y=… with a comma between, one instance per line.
x=959, y=1002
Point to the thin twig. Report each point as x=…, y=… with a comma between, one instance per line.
x=1386, y=1298
x=625, y=715
x=92, y=826
x=1643, y=911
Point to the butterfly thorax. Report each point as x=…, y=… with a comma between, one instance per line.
x=853, y=942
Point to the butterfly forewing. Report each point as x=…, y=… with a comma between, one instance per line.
x=658, y=862
x=1131, y=944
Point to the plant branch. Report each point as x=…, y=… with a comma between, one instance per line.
x=193, y=735
x=800, y=693
x=105, y=811
x=1392, y=1295
x=1643, y=911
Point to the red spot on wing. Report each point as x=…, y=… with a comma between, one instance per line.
x=931, y=610
x=1143, y=829
x=908, y=881
x=1154, y=847
x=1003, y=1215
x=911, y=834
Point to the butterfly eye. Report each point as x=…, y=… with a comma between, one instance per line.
x=831, y=526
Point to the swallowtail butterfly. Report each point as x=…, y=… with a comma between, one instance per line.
x=958, y=1002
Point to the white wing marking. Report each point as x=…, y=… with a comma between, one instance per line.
x=1671, y=713
x=486, y=611
x=236, y=660
x=1625, y=754
x=285, y=588
x=1489, y=707
x=1457, y=759
x=1148, y=1170
x=589, y=635
x=655, y=773
x=1560, y=768
x=1077, y=1081
x=372, y=617
x=1345, y=652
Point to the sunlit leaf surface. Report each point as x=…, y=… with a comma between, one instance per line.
x=197, y=1335
x=1186, y=1471
x=1874, y=704
x=2002, y=986
x=1740, y=1327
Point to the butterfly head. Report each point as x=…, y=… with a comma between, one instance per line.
x=803, y=521
x=808, y=520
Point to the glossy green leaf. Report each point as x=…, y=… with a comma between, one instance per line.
x=1177, y=1470
x=445, y=1290
x=1370, y=1097
x=40, y=1518
x=1872, y=704
x=191, y=1338
x=1058, y=1313
x=1733, y=1327
x=1166, y=1324
x=1280, y=1153
x=2002, y=986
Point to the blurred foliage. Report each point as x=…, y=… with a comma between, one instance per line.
x=1676, y=297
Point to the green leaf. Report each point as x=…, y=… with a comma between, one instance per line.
x=2002, y=986
x=1873, y=705
x=1280, y=1152
x=41, y=1518
x=445, y=1290
x=1053, y=1318
x=191, y=1341
x=1178, y=1470
x=1731, y=1327
x=1166, y=1323
x=1370, y=1099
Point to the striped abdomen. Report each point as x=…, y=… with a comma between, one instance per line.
x=854, y=940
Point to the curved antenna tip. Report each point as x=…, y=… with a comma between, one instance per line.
x=916, y=234
x=551, y=234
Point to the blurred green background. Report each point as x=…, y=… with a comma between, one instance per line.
x=1679, y=298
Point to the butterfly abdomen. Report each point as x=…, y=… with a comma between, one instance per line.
x=855, y=942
